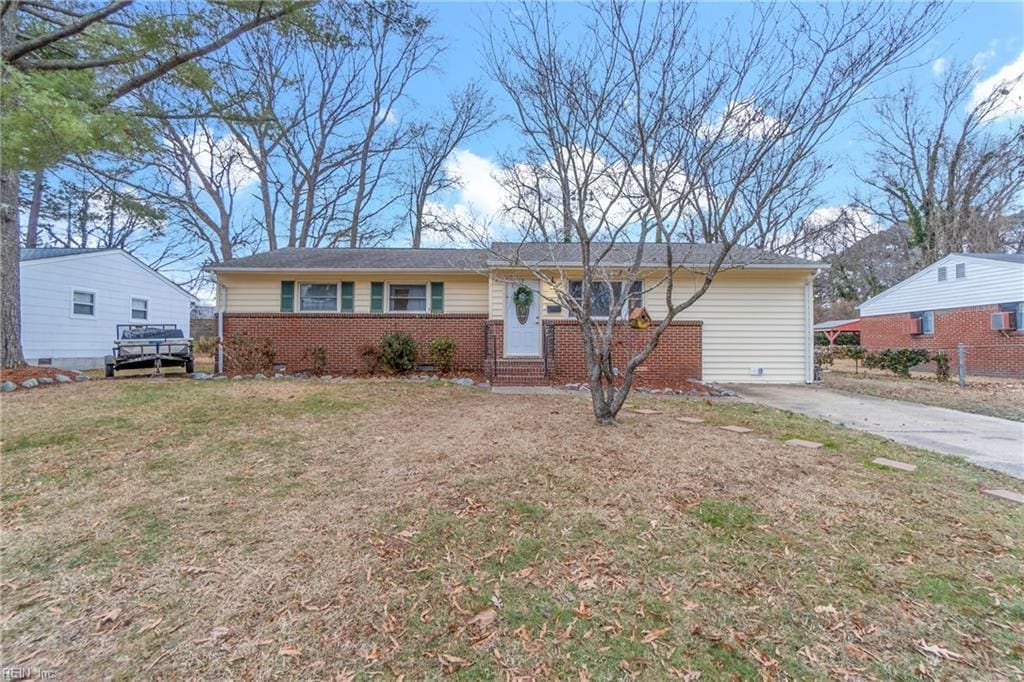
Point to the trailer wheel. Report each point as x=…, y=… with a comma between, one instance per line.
x=190, y=366
x=109, y=371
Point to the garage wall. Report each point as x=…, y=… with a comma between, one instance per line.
x=752, y=318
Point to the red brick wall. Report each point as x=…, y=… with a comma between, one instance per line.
x=989, y=352
x=344, y=335
x=675, y=360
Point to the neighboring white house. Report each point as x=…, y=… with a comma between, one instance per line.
x=73, y=299
x=960, y=280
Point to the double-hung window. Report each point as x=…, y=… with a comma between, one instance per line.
x=927, y=319
x=315, y=297
x=140, y=309
x=83, y=303
x=603, y=293
x=407, y=298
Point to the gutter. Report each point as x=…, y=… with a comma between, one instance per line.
x=413, y=271
x=809, y=329
x=222, y=299
x=654, y=266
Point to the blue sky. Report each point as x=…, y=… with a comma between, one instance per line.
x=988, y=35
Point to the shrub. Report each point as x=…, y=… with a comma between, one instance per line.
x=897, y=360
x=371, y=356
x=857, y=354
x=941, y=361
x=246, y=355
x=316, y=356
x=442, y=352
x=824, y=357
x=842, y=339
x=205, y=345
x=398, y=352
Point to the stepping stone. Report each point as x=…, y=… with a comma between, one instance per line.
x=736, y=429
x=646, y=411
x=690, y=420
x=893, y=464
x=1007, y=495
x=810, y=444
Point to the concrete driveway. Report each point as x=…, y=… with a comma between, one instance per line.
x=987, y=441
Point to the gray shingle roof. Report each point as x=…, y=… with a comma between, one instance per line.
x=1007, y=257
x=55, y=252
x=624, y=254
x=501, y=253
x=359, y=259
x=821, y=326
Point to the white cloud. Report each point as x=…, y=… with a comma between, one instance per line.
x=829, y=229
x=980, y=59
x=743, y=118
x=1009, y=81
x=225, y=161
x=939, y=66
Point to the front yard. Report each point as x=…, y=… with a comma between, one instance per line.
x=309, y=529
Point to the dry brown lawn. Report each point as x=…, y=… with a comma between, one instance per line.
x=308, y=529
x=982, y=395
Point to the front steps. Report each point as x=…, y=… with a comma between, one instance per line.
x=519, y=372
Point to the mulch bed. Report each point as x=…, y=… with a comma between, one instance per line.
x=20, y=374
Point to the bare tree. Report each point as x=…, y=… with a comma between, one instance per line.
x=644, y=137
x=949, y=172
x=470, y=112
x=317, y=108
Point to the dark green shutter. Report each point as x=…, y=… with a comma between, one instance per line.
x=437, y=297
x=376, y=297
x=348, y=303
x=287, y=297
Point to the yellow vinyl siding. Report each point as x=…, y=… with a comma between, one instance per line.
x=750, y=318
x=261, y=292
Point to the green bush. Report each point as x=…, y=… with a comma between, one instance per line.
x=897, y=360
x=398, y=352
x=842, y=339
x=941, y=361
x=442, y=352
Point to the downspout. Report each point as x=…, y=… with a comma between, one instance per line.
x=809, y=329
x=222, y=296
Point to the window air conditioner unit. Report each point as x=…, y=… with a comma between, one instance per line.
x=1003, y=322
x=914, y=326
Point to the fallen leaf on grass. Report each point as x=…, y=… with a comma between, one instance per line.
x=484, y=618
x=652, y=635
x=149, y=626
x=198, y=570
x=451, y=664
x=937, y=651
x=290, y=652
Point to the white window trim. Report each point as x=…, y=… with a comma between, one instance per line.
x=623, y=314
x=95, y=303
x=131, y=308
x=406, y=283
x=337, y=297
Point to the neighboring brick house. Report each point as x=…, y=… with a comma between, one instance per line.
x=974, y=299
x=753, y=324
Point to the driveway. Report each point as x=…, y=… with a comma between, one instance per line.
x=987, y=441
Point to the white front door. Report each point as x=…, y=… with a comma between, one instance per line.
x=522, y=337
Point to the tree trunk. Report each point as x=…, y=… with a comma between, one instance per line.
x=10, y=271
x=32, y=229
